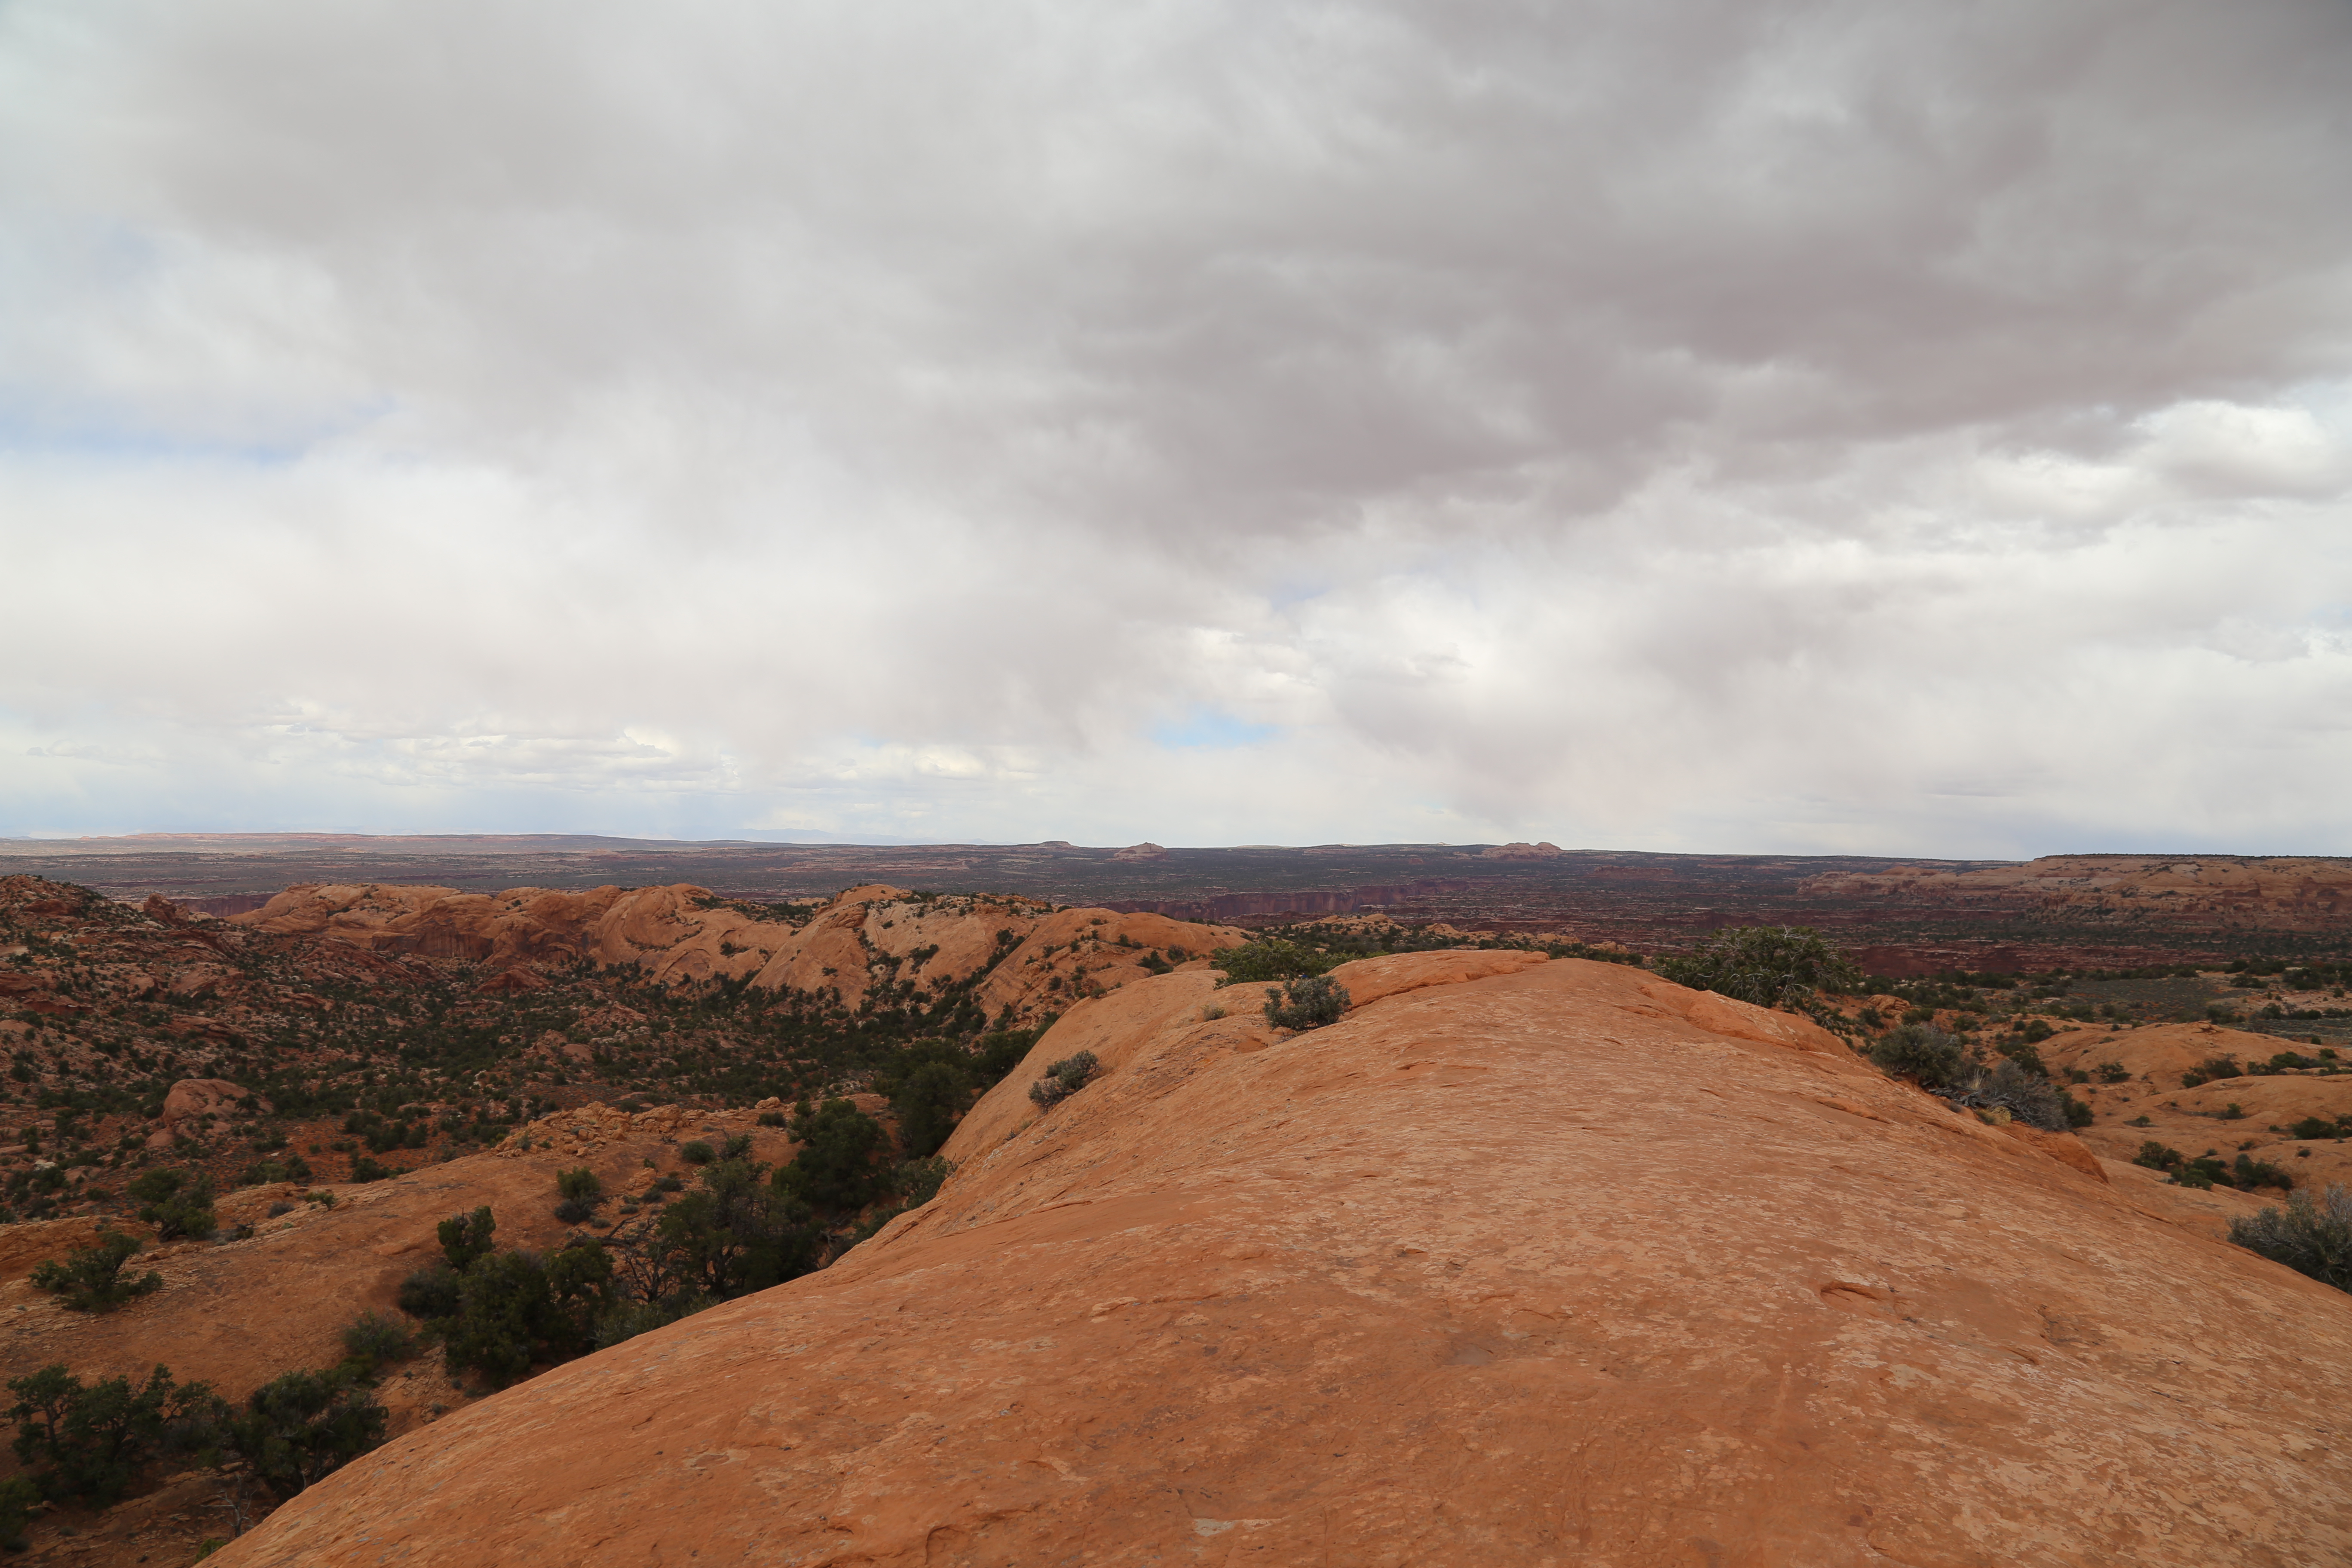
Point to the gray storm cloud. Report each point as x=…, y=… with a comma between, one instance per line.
x=1898, y=427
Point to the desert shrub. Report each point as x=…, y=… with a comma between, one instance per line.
x=2316, y=1127
x=2208, y=1069
x=2007, y=1086
x=90, y=1278
x=276, y=1168
x=1769, y=965
x=1000, y=1051
x=836, y=1166
x=367, y=1168
x=466, y=1238
x=17, y=1496
x=1274, y=958
x=294, y=1431
x=1063, y=1079
x=2205, y=1172
x=771, y=1119
x=581, y=1191
x=88, y=1443
x=2035, y=1031
x=669, y=1183
x=927, y=1099
x=504, y=1307
x=177, y=1203
x=374, y=1339
x=2020, y=1051
x=919, y=1180
x=1929, y=1056
x=581, y=1185
x=735, y=1234
x=2114, y=1072
x=1307, y=1004
x=2310, y=1237
x=632, y=1317
x=2157, y=1157
x=430, y=1294
x=697, y=1153
x=2249, y=1173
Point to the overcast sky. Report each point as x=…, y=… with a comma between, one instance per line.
x=1917, y=428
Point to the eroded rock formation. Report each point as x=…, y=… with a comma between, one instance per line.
x=1520, y=1262
x=1036, y=958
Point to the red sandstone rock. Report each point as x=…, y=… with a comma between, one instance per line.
x=1555, y=1265
x=682, y=935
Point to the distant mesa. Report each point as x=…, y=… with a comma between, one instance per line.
x=1522, y=852
x=1145, y=851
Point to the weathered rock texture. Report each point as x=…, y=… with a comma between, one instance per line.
x=1558, y=1264
x=2273, y=892
x=1035, y=957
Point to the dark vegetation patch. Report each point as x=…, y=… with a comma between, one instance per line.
x=359, y=1066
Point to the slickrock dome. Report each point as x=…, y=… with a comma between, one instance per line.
x=1519, y=1263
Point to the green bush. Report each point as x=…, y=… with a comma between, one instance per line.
x=581, y=1185
x=1927, y=1056
x=2205, y=1172
x=466, y=1238
x=581, y=1192
x=1273, y=958
x=928, y=1099
x=431, y=1295
x=17, y=1496
x=2310, y=1238
x=373, y=1341
x=836, y=1166
x=2157, y=1157
x=1306, y=1004
x=90, y=1443
x=367, y=1168
x=504, y=1308
x=1063, y=1079
x=177, y=1203
x=2312, y=1127
x=919, y=1180
x=771, y=1119
x=1771, y=966
x=295, y=1430
x=2020, y=1051
x=697, y=1153
x=2249, y=1173
x=733, y=1234
x=2007, y=1086
x=276, y=1168
x=90, y=1278
x=1000, y=1051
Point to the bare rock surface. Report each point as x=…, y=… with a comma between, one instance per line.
x=1562, y=1265
x=1036, y=958
x=2253, y=1114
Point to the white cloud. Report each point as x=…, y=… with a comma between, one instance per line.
x=1891, y=427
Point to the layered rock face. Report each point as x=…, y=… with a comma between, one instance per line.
x=1037, y=959
x=1520, y=1262
x=2277, y=893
